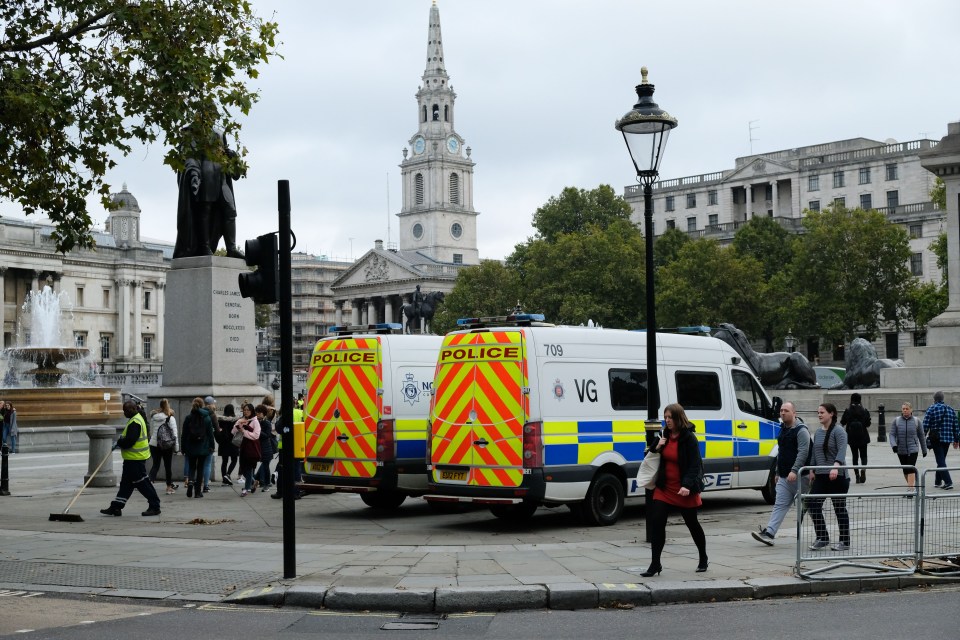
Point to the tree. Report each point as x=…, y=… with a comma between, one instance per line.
x=261, y=315
x=576, y=209
x=849, y=273
x=709, y=284
x=81, y=79
x=938, y=195
x=762, y=239
x=488, y=289
x=667, y=246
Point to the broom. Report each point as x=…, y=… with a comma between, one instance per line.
x=70, y=517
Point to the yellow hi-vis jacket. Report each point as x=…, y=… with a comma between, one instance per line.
x=141, y=448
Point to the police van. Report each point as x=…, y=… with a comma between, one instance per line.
x=527, y=414
x=365, y=413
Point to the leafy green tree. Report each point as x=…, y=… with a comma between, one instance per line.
x=849, y=273
x=261, y=315
x=667, y=246
x=709, y=284
x=594, y=275
x=938, y=195
x=574, y=210
x=771, y=245
x=488, y=289
x=926, y=301
x=82, y=79
x=939, y=248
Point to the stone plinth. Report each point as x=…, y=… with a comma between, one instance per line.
x=209, y=336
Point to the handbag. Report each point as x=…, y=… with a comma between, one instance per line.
x=647, y=475
x=237, y=439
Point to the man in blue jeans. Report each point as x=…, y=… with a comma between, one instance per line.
x=940, y=423
x=793, y=448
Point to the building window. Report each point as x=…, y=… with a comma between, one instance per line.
x=916, y=264
x=298, y=304
x=147, y=347
x=424, y=113
x=454, y=188
x=146, y=300
x=79, y=296
x=106, y=298
x=712, y=197
x=446, y=113
x=838, y=179
x=297, y=287
x=436, y=113
x=418, y=188
x=418, y=231
x=80, y=339
x=458, y=258
x=916, y=230
x=866, y=201
x=768, y=192
x=892, y=172
x=670, y=203
x=813, y=183
x=692, y=223
x=893, y=199
x=814, y=205
x=840, y=202
x=456, y=230
x=919, y=338
x=691, y=200
x=104, y=347
x=671, y=224
x=864, y=175
x=713, y=220
x=297, y=330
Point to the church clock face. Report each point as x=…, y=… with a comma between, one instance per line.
x=453, y=145
x=419, y=145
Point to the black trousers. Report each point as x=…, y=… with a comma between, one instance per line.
x=824, y=485
x=166, y=456
x=197, y=467
x=134, y=476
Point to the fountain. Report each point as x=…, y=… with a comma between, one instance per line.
x=50, y=383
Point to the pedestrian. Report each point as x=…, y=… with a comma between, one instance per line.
x=269, y=402
x=11, y=433
x=210, y=404
x=267, y=447
x=250, y=447
x=906, y=440
x=197, y=444
x=678, y=484
x=164, y=443
x=856, y=420
x=793, y=450
x=829, y=447
x=134, y=449
x=228, y=452
x=940, y=423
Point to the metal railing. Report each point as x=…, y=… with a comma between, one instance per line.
x=939, y=528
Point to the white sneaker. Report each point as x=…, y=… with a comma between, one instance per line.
x=819, y=544
x=840, y=546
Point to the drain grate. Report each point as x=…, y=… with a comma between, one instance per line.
x=214, y=581
x=414, y=622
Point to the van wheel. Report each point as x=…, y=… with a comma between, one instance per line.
x=514, y=512
x=604, y=501
x=769, y=490
x=381, y=500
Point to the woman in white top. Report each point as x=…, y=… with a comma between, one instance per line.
x=161, y=448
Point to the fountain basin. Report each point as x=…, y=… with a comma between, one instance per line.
x=65, y=406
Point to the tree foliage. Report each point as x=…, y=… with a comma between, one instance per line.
x=709, y=284
x=574, y=210
x=667, y=246
x=938, y=195
x=83, y=79
x=488, y=289
x=766, y=241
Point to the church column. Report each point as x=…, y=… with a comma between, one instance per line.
x=355, y=312
x=775, y=192
x=371, y=312
x=338, y=312
x=123, y=327
x=137, y=336
x=55, y=284
x=388, y=309
x=161, y=306
x=37, y=284
x=3, y=307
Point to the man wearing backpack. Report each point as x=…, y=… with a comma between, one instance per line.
x=793, y=449
x=135, y=449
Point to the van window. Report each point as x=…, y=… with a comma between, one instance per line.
x=750, y=396
x=698, y=390
x=628, y=389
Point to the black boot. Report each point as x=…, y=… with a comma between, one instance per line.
x=230, y=238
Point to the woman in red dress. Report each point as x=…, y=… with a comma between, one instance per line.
x=678, y=485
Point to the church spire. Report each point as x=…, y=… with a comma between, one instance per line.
x=435, y=74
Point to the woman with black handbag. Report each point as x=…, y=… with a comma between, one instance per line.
x=679, y=484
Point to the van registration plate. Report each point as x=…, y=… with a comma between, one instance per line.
x=456, y=476
x=321, y=467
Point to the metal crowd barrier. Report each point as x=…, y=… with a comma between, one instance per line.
x=883, y=531
x=939, y=526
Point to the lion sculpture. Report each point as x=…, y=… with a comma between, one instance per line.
x=863, y=366
x=779, y=370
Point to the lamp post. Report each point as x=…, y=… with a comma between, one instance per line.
x=645, y=130
x=789, y=341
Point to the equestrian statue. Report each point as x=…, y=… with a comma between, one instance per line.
x=422, y=306
x=780, y=370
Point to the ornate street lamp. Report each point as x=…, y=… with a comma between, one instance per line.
x=645, y=130
x=789, y=341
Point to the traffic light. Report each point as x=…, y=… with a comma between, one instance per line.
x=263, y=284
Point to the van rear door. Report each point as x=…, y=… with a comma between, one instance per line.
x=343, y=405
x=479, y=407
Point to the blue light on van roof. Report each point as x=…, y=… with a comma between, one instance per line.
x=511, y=319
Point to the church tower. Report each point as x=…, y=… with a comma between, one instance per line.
x=437, y=218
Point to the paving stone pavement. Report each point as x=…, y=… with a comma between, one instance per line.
x=224, y=547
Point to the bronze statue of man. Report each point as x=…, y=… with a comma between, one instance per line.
x=206, y=209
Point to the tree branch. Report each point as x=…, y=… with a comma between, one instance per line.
x=60, y=36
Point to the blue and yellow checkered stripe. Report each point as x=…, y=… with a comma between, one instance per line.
x=581, y=441
x=411, y=438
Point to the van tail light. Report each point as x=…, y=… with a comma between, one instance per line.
x=532, y=445
x=386, y=441
x=429, y=455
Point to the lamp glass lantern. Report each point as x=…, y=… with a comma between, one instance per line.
x=789, y=341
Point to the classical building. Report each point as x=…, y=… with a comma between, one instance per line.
x=438, y=224
x=886, y=176
x=115, y=290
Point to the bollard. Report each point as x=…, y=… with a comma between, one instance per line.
x=881, y=424
x=4, y=470
x=101, y=442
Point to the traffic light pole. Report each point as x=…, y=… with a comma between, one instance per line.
x=286, y=384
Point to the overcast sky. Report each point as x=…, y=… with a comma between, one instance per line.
x=539, y=85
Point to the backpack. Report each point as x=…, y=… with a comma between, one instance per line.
x=166, y=439
x=195, y=429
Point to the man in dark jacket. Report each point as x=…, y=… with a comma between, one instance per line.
x=856, y=420
x=134, y=447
